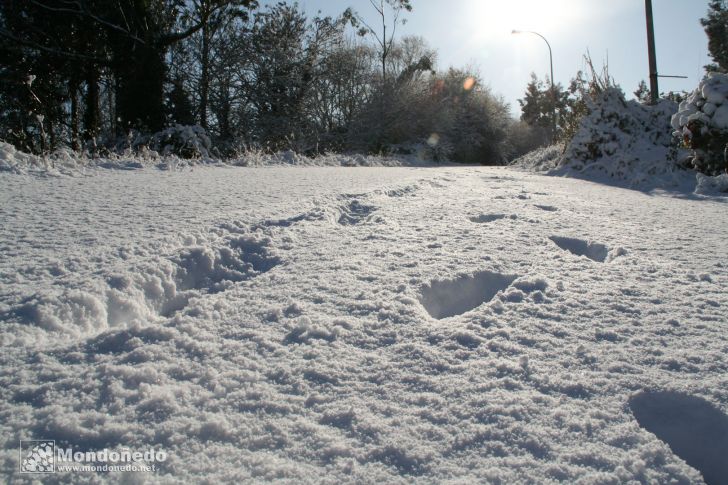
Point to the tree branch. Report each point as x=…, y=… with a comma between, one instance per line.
x=82, y=11
x=171, y=38
x=66, y=54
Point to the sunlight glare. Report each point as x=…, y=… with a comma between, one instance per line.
x=490, y=19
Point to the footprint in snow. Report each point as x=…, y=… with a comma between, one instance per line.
x=548, y=208
x=484, y=218
x=214, y=269
x=594, y=251
x=695, y=429
x=408, y=190
x=316, y=214
x=354, y=212
x=447, y=298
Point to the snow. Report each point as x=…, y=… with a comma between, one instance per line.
x=717, y=185
x=370, y=324
x=192, y=140
x=695, y=429
x=185, y=139
x=618, y=142
x=622, y=139
x=444, y=299
x=627, y=144
x=706, y=104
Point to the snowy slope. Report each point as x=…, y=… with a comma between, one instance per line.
x=390, y=325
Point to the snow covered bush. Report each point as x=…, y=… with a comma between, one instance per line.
x=621, y=137
x=11, y=159
x=59, y=161
x=717, y=185
x=701, y=124
x=183, y=141
x=541, y=159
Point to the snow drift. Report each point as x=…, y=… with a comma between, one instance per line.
x=619, y=140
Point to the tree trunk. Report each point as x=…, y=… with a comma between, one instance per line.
x=140, y=89
x=51, y=133
x=205, y=75
x=73, y=93
x=91, y=115
x=113, y=105
x=384, y=51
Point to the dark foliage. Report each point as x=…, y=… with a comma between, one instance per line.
x=95, y=73
x=716, y=27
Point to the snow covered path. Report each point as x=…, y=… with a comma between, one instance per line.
x=334, y=325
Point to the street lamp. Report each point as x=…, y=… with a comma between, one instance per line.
x=553, y=89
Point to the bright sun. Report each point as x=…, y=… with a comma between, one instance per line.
x=491, y=18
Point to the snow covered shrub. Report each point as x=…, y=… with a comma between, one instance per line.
x=436, y=148
x=717, y=185
x=12, y=160
x=183, y=141
x=62, y=159
x=541, y=159
x=701, y=124
x=622, y=138
x=584, y=90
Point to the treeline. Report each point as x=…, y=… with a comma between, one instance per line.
x=88, y=73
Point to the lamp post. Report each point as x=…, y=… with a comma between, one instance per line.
x=553, y=89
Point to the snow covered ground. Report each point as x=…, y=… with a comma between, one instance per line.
x=375, y=325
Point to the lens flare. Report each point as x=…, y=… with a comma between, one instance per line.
x=433, y=140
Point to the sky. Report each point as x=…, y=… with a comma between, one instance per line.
x=477, y=33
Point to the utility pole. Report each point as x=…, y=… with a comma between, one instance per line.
x=654, y=90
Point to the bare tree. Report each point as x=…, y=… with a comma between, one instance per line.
x=388, y=12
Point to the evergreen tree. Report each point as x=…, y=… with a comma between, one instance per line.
x=179, y=105
x=286, y=51
x=642, y=93
x=541, y=104
x=716, y=27
x=533, y=102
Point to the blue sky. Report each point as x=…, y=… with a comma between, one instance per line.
x=478, y=33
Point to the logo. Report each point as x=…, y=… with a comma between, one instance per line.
x=37, y=456
x=42, y=456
